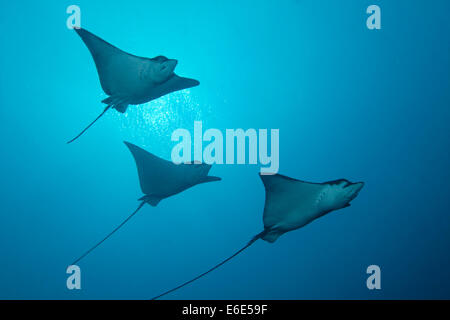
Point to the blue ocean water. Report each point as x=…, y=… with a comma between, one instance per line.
x=370, y=105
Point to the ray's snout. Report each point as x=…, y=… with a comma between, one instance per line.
x=167, y=67
x=358, y=186
x=354, y=189
x=172, y=63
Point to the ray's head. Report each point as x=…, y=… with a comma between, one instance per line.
x=164, y=67
x=341, y=192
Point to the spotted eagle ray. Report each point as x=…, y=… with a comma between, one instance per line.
x=291, y=204
x=160, y=179
x=128, y=79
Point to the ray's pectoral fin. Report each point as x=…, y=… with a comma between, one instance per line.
x=210, y=179
x=184, y=83
x=175, y=83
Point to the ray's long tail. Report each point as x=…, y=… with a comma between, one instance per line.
x=90, y=125
x=258, y=236
x=110, y=234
